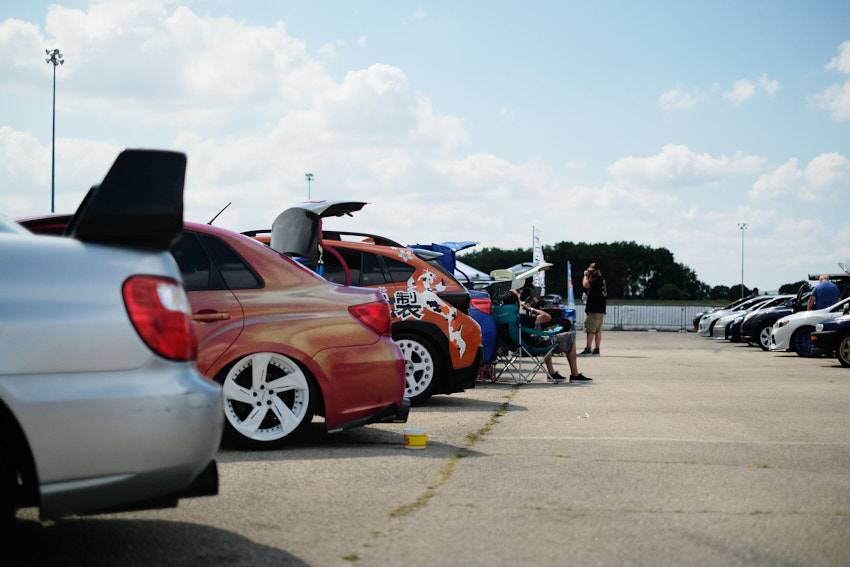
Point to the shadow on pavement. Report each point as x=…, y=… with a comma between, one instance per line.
x=93, y=542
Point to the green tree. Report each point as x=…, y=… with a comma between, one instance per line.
x=671, y=291
x=631, y=270
x=794, y=287
x=720, y=292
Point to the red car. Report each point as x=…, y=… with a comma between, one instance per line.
x=442, y=344
x=284, y=343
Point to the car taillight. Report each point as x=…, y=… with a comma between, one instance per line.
x=482, y=304
x=374, y=315
x=160, y=312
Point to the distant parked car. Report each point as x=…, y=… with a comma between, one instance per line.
x=723, y=326
x=101, y=405
x=708, y=321
x=441, y=343
x=794, y=331
x=700, y=314
x=284, y=343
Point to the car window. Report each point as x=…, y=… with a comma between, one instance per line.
x=194, y=264
x=399, y=272
x=234, y=270
x=333, y=271
x=371, y=272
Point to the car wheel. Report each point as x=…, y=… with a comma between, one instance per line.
x=801, y=341
x=763, y=336
x=7, y=488
x=422, y=367
x=842, y=351
x=268, y=401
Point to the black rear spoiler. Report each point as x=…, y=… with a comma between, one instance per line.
x=139, y=202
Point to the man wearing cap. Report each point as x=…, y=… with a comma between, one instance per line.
x=597, y=293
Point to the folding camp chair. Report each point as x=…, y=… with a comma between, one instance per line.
x=518, y=359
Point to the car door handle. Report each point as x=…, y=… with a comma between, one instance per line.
x=204, y=317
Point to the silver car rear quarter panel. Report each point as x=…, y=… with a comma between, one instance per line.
x=61, y=305
x=107, y=421
x=94, y=435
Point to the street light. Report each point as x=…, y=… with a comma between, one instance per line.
x=743, y=226
x=309, y=177
x=56, y=59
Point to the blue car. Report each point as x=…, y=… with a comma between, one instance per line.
x=832, y=336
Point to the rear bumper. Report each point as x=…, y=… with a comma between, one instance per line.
x=118, y=440
x=464, y=378
x=395, y=413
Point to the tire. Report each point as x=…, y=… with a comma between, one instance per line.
x=423, y=368
x=842, y=350
x=8, y=483
x=270, y=409
x=801, y=341
x=763, y=336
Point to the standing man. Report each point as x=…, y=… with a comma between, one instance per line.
x=597, y=294
x=825, y=294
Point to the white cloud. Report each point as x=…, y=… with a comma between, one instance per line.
x=770, y=86
x=841, y=62
x=677, y=165
x=742, y=91
x=419, y=14
x=824, y=179
x=676, y=99
x=836, y=98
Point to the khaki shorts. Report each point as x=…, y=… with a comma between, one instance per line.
x=593, y=322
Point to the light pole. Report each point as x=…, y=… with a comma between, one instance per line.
x=56, y=59
x=309, y=177
x=743, y=226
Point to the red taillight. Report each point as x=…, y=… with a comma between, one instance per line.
x=482, y=304
x=375, y=315
x=159, y=310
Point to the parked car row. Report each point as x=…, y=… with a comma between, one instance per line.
x=783, y=323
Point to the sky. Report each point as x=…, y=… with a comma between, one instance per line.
x=666, y=123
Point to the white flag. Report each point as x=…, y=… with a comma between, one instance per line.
x=539, y=279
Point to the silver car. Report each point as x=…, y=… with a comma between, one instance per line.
x=101, y=406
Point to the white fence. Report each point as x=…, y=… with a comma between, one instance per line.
x=643, y=317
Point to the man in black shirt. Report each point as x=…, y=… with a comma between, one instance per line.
x=597, y=294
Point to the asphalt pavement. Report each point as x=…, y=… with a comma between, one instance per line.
x=682, y=451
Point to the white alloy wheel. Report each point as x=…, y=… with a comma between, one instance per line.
x=421, y=368
x=267, y=399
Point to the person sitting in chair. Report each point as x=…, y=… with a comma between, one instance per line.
x=564, y=342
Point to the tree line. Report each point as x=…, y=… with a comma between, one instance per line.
x=631, y=270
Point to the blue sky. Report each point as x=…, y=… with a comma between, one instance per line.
x=663, y=123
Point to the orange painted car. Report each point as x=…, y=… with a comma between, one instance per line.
x=284, y=343
x=430, y=309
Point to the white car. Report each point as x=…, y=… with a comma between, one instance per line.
x=101, y=405
x=707, y=322
x=722, y=328
x=793, y=332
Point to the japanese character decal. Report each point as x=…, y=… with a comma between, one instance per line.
x=421, y=296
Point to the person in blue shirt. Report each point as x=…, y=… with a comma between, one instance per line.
x=824, y=294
